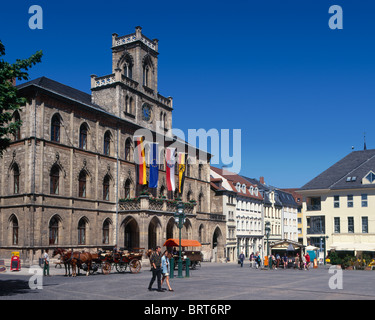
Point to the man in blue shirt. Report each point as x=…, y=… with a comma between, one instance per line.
x=242, y=258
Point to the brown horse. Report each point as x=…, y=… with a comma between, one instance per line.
x=65, y=258
x=80, y=258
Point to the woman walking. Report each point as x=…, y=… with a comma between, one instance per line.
x=165, y=269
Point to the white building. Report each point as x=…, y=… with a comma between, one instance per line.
x=244, y=214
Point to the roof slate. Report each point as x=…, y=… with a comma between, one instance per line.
x=60, y=89
x=355, y=164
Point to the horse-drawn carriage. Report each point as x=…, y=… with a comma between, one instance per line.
x=195, y=256
x=120, y=260
x=103, y=260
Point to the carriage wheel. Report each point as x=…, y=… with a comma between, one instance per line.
x=94, y=267
x=135, y=266
x=106, y=268
x=121, y=267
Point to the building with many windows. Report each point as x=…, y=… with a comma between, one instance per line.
x=244, y=212
x=73, y=160
x=280, y=211
x=339, y=205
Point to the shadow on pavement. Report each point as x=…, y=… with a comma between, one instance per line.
x=13, y=287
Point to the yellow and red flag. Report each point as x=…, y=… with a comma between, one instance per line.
x=181, y=171
x=140, y=160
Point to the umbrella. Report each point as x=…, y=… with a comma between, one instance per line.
x=311, y=248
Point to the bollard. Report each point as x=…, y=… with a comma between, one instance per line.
x=187, y=267
x=171, y=267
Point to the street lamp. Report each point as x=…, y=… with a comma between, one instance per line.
x=179, y=217
x=325, y=245
x=267, y=229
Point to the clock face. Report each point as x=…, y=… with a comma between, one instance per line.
x=146, y=112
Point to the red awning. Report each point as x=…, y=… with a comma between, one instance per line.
x=184, y=243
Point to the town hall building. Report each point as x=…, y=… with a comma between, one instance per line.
x=69, y=178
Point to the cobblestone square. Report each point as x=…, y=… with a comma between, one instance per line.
x=213, y=281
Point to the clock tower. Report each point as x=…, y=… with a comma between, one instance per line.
x=131, y=91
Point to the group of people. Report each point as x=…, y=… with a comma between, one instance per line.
x=160, y=268
x=254, y=258
x=277, y=261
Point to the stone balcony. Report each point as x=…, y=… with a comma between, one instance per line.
x=145, y=202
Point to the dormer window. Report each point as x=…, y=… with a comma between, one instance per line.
x=256, y=191
x=251, y=190
x=371, y=177
x=238, y=187
x=244, y=188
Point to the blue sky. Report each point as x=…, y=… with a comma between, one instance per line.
x=301, y=93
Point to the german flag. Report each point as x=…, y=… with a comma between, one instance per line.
x=141, y=160
x=181, y=172
x=170, y=165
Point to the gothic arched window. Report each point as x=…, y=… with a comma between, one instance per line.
x=17, y=118
x=83, y=131
x=106, y=188
x=14, y=224
x=82, y=231
x=200, y=203
x=107, y=143
x=82, y=184
x=200, y=166
x=146, y=75
x=128, y=145
x=127, y=188
x=16, y=179
x=53, y=231
x=54, y=180
x=106, y=225
x=55, y=128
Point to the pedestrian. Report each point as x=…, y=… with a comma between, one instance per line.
x=303, y=263
x=273, y=262
x=307, y=256
x=46, y=264
x=277, y=260
x=251, y=259
x=241, y=257
x=297, y=262
x=155, y=261
x=165, y=266
x=258, y=261
x=285, y=260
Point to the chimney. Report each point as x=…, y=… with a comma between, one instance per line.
x=261, y=180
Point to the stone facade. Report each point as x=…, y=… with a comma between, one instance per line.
x=62, y=178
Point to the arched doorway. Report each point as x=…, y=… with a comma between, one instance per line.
x=131, y=233
x=171, y=229
x=154, y=233
x=217, y=245
x=187, y=230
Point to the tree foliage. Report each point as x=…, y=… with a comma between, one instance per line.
x=10, y=101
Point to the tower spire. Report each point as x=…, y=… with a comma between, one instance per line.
x=364, y=141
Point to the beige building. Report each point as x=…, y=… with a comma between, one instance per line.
x=298, y=199
x=72, y=160
x=339, y=203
